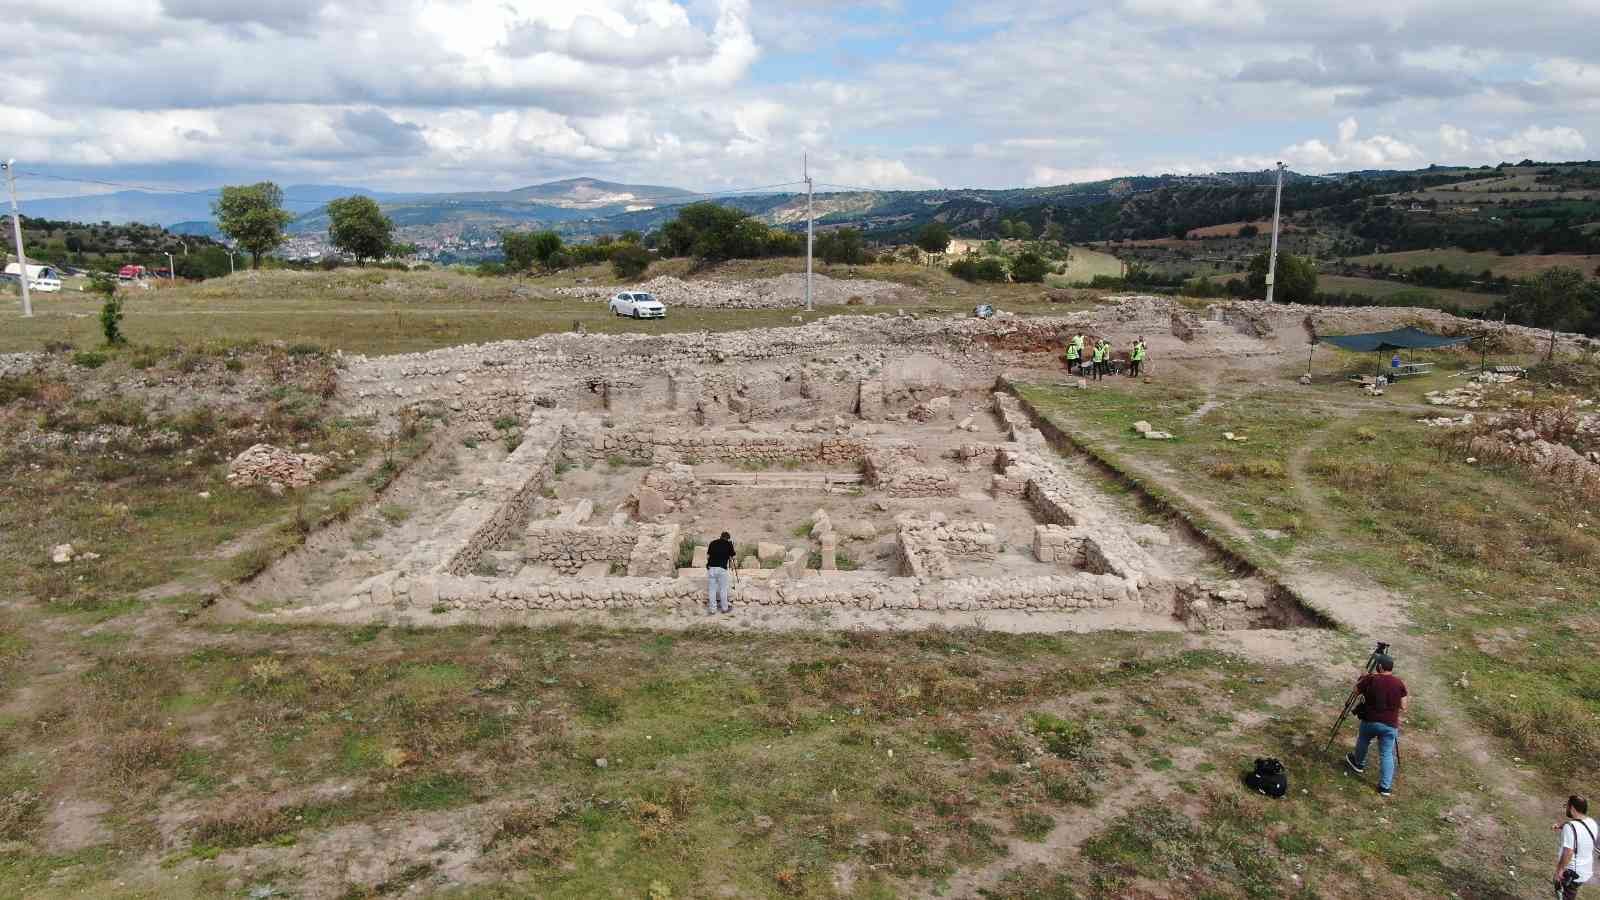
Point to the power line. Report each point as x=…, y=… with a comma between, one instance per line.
x=765, y=187
x=849, y=187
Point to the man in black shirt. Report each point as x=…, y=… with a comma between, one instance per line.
x=718, y=555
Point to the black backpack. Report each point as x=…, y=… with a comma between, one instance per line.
x=1269, y=778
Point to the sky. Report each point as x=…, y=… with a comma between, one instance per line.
x=435, y=95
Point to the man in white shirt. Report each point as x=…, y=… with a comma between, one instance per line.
x=1577, y=848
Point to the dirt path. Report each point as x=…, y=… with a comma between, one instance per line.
x=1367, y=608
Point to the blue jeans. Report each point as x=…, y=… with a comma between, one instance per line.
x=1388, y=738
x=716, y=587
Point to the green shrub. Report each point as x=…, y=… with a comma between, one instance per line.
x=629, y=261
x=1029, y=267
x=1069, y=740
x=89, y=359
x=111, y=309
x=979, y=270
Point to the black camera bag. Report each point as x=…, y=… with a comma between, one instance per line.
x=1268, y=778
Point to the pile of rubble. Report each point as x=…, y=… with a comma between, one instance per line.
x=1467, y=396
x=274, y=467
x=1447, y=421
x=1553, y=462
x=782, y=292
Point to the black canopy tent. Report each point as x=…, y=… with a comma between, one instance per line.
x=1407, y=338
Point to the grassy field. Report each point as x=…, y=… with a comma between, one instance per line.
x=379, y=311
x=1083, y=264
x=1473, y=263
x=147, y=750
x=147, y=753
x=1401, y=294
x=1496, y=569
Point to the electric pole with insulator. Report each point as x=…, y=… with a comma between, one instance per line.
x=1272, y=258
x=806, y=164
x=10, y=166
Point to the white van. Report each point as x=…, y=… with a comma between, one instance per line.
x=44, y=279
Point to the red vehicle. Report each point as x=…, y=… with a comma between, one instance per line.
x=129, y=273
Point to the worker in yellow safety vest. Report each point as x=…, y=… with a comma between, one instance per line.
x=1099, y=359
x=1072, y=355
x=1136, y=358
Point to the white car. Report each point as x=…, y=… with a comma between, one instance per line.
x=637, y=304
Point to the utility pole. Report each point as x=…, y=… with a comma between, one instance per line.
x=1272, y=259
x=172, y=270
x=10, y=166
x=807, y=165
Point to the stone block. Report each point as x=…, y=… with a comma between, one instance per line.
x=650, y=504
x=937, y=408
x=768, y=552
x=700, y=553
x=869, y=400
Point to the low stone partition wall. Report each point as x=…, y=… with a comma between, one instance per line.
x=898, y=472
x=1100, y=550
x=1080, y=591
x=568, y=547
x=811, y=481
x=482, y=522
x=598, y=443
x=665, y=488
x=926, y=546
x=920, y=554
x=1199, y=605
x=655, y=553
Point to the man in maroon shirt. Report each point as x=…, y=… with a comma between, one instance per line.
x=1383, y=697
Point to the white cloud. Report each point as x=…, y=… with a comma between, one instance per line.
x=436, y=94
x=1048, y=175
x=1556, y=143
x=1352, y=152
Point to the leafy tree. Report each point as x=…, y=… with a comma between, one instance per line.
x=358, y=227
x=1055, y=233
x=110, y=308
x=1558, y=298
x=712, y=232
x=518, y=249
x=204, y=262
x=842, y=245
x=1029, y=267
x=1021, y=230
x=630, y=237
x=1248, y=231
x=524, y=248
x=1296, y=278
x=934, y=237
x=253, y=216
x=629, y=260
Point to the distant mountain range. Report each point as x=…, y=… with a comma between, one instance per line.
x=536, y=205
x=1131, y=207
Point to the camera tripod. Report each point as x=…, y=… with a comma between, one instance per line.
x=1355, y=694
